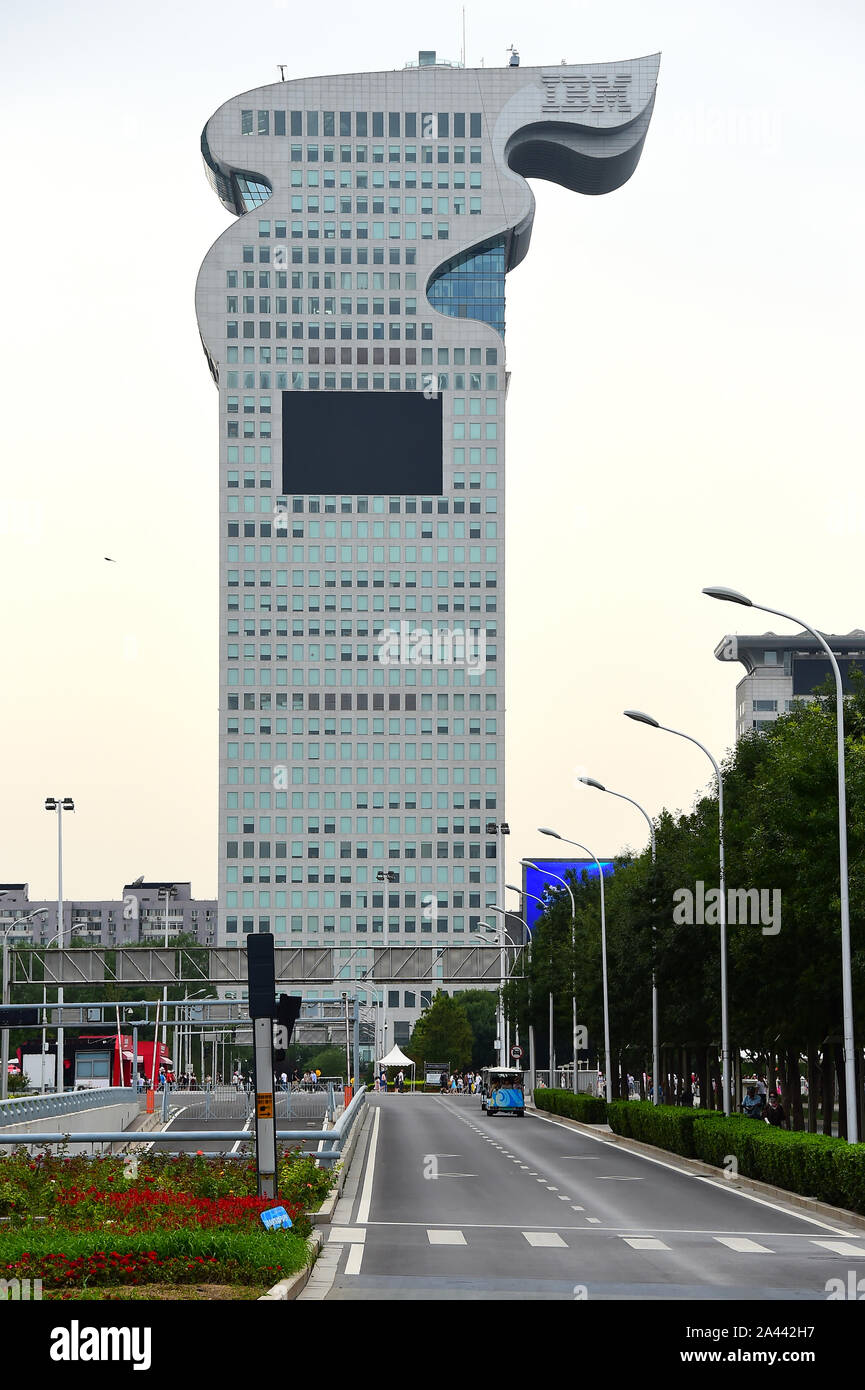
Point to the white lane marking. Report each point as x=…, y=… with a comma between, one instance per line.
x=445, y=1237
x=563, y=1199
x=237, y=1143
x=743, y=1245
x=578, y=1208
x=355, y=1260
x=609, y=1179
x=701, y=1177
x=347, y=1235
x=594, y=1220
x=366, y=1192
x=552, y=1189
x=644, y=1243
x=546, y=1239
x=840, y=1247
x=543, y=1180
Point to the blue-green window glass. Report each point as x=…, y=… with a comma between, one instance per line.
x=252, y=194
x=472, y=286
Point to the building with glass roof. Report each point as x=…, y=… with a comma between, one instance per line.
x=353, y=319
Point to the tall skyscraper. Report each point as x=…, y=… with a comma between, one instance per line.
x=353, y=319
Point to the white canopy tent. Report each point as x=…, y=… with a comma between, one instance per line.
x=395, y=1058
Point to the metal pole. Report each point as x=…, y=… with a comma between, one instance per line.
x=590, y=782
x=722, y=920
x=356, y=1031
x=500, y=879
x=265, y=1123
x=135, y=1057
x=846, y=959
x=60, y=1079
x=552, y=1073
x=4, y=1050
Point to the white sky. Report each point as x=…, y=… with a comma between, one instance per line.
x=685, y=403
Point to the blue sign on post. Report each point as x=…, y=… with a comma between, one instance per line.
x=276, y=1219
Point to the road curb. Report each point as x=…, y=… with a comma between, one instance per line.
x=696, y=1165
x=288, y=1289
x=324, y=1215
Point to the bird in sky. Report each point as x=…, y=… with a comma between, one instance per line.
x=109, y=559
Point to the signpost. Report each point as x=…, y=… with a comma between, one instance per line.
x=262, y=1010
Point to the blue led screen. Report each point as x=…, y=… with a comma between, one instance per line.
x=535, y=882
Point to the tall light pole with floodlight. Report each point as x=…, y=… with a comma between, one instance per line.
x=60, y=804
x=733, y=596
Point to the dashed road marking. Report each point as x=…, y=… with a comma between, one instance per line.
x=545, y=1239
x=446, y=1237
x=743, y=1246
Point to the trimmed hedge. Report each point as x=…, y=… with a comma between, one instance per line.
x=591, y=1110
x=666, y=1126
x=813, y=1165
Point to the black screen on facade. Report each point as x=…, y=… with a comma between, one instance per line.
x=359, y=442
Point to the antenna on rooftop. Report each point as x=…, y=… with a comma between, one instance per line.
x=282, y=67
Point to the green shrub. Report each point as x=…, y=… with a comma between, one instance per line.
x=591, y=1110
x=812, y=1165
x=668, y=1127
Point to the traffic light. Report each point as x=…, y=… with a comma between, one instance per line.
x=262, y=975
x=288, y=1012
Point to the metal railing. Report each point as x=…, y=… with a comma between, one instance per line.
x=327, y=1157
x=12, y=1112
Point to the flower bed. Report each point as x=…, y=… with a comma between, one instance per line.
x=82, y=1224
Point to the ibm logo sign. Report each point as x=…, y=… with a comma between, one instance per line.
x=597, y=92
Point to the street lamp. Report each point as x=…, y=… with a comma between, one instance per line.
x=546, y=873
x=642, y=718
x=546, y=831
x=552, y=1057
x=505, y=966
x=60, y=804
x=4, y=1046
x=656, y=1052
x=48, y=944
x=733, y=596
x=500, y=828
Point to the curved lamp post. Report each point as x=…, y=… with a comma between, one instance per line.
x=513, y=887
x=722, y=912
x=564, y=881
x=546, y=831
x=590, y=782
x=733, y=596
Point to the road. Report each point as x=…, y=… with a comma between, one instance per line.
x=444, y=1203
x=228, y=1111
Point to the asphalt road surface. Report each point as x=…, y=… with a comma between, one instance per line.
x=444, y=1202
x=228, y=1111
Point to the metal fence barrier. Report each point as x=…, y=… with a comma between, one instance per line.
x=327, y=1157
x=13, y=1112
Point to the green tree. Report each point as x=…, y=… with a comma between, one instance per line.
x=480, y=1009
x=442, y=1034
